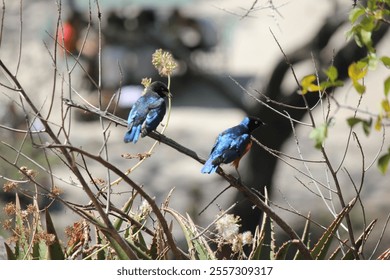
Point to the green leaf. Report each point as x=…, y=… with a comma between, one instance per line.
x=321, y=248
x=197, y=245
x=368, y=23
x=355, y=14
x=319, y=135
x=332, y=73
x=383, y=162
x=357, y=38
x=372, y=60
x=365, y=123
x=359, y=87
x=386, y=106
x=378, y=14
x=260, y=236
x=283, y=250
x=125, y=209
x=139, y=249
x=338, y=84
x=367, y=127
x=353, y=121
x=101, y=255
x=122, y=255
x=55, y=251
x=258, y=241
x=305, y=237
x=21, y=245
x=40, y=249
x=386, y=61
x=387, y=86
x=378, y=123
x=366, y=37
x=335, y=253
x=349, y=255
x=10, y=254
x=308, y=85
x=357, y=71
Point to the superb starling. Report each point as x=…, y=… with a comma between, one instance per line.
x=231, y=145
x=147, y=112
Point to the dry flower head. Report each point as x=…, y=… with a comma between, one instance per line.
x=164, y=62
x=146, y=82
x=9, y=186
x=227, y=226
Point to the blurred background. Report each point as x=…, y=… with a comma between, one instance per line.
x=217, y=45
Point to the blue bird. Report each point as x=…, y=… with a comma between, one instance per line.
x=147, y=112
x=231, y=145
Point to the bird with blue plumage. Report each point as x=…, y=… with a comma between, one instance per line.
x=147, y=112
x=231, y=145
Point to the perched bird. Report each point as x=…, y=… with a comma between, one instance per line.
x=231, y=145
x=147, y=112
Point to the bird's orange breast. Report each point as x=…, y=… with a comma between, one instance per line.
x=236, y=162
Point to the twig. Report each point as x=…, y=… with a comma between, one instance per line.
x=20, y=37
x=381, y=236
x=250, y=9
x=2, y=22
x=309, y=171
x=265, y=103
x=213, y=222
x=214, y=199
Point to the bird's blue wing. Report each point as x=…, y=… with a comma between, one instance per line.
x=236, y=149
x=136, y=118
x=239, y=144
x=221, y=144
x=230, y=145
x=155, y=115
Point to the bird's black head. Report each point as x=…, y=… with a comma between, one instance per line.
x=252, y=123
x=160, y=88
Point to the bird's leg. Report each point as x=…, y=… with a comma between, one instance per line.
x=239, y=176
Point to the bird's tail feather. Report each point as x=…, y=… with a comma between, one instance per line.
x=209, y=167
x=132, y=134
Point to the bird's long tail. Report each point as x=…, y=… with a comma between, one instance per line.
x=209, y=167
x=133, y=134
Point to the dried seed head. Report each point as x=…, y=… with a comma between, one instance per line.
x=164, y=62
x=31, y=209
x=78, y=233
x=7, y=224
x=9, y=186
x=10, y=209
x=237, y=243
x=30, y=173
x=146, y=82
x=145, y=208
x=247, y=238
x=56, y=191
x=48, y=238
x=228, y=226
